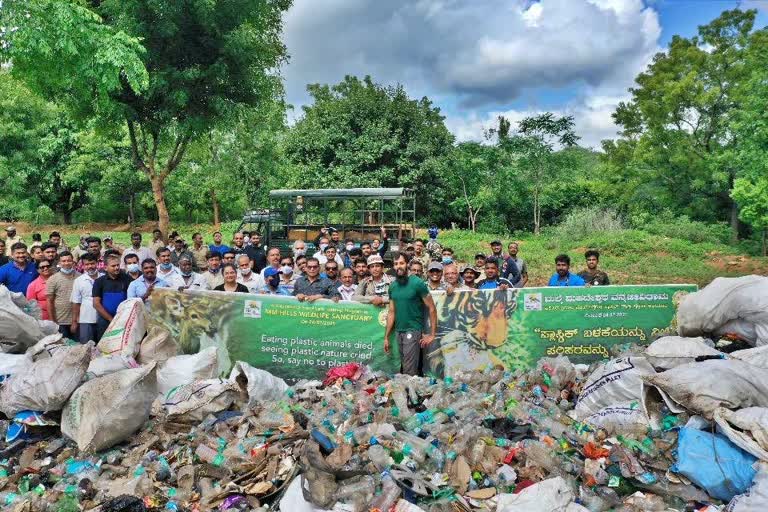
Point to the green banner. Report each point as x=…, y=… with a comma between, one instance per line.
x=510, y=328
x=515, y=328
x=291, y=339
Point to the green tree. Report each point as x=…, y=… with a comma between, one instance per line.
x=167, y=70
x=358, y=133
x=533, y=153
x=676, y=128
x=473, y=174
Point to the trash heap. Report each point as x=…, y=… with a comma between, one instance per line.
x=679, y=425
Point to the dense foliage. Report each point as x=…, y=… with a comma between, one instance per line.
x=109, y=110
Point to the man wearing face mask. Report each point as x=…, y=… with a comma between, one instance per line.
x=191, y=279
x=272, y=285
x=349, y=246
x=246, y=276
x=273, y=261
x=447, y=258
x=299, y=248
x=58, y=290
x=84, y=315
x=287, y=275
x=132, y=267
x=166, y=271
x=322, y=245
x=212, y=276
x=142, y=287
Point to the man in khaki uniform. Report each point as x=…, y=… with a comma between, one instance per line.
x=10, y=239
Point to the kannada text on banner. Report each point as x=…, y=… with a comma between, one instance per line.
x=511, y=328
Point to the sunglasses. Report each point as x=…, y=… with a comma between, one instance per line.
x=43, y=267
x=312, y=266
x=331, y=268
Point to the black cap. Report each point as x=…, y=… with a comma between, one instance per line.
x=496, y=242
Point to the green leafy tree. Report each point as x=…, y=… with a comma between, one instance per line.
x=167, y=70
x=533, y=151
x=676, y=128
x=473, y=173
x=358, y=133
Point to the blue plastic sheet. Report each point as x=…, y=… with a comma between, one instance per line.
x=713, y=463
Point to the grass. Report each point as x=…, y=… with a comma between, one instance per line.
x=630, y=256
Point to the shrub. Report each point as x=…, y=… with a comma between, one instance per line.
x=588, y=221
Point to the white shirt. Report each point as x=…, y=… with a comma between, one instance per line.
x=323, y=259
x=254, y=282
x=347, y=293
x=172, y=277
x=82, y=293
x=194, y=282
x=142, y=252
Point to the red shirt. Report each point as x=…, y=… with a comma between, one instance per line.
x=36, y=291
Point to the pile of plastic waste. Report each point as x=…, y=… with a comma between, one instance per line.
x=131, y=425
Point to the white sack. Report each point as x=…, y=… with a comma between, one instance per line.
x=105, y=365
x=44, y=348
x=158, y=346
x=618, y=381
x=181, y=370
x=293, y=500
x=11, y=364
x=727, y=305
x=107, y=410
x=756, y=498
x=260, y=385
x=552, y=495
x=625, y=419
x=193, y=402
x=126, y=330
x=18, y=330
x=757, y=356
x=746, y=428
x=705, y=386
x=671, y=351
x=46, y=385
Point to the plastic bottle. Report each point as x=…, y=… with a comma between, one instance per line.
x=206, y=453
x=390, y=493
x=365, y=485
x=425, y=447
x=401, y=401
x=379, y=456
x=7, y=498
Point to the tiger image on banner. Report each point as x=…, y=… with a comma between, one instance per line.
x=472, y=325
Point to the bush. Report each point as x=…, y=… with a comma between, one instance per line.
x=588, y=221
x=667, y=224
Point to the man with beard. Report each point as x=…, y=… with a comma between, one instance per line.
x=515, y=268
x=361, y=270
x=217, y=246
x=142, y=287
x=256, y=252
x=563, y=276
x=492, y=279
x=409, y=298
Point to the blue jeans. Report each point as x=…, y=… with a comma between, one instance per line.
x=86, y=332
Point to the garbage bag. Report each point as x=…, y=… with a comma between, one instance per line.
x=757, y=356
x=671, y=351
x=193, y=402
x=746, y=428
x=11, y=364
x=18, y=330
x=705, y=386
x=157, y=346
x=46, y=385
x=756, y=498
x=46, y=347
x=614, y=382
x=727, y=306
x=552, y=495
x=713, y=463
x=260, y=385
x=126, y=330
x=293, y=500
x=181, y=370
x=107, y=410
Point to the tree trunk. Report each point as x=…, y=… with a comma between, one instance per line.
x=131, y=212
x=67, y=217
x=216, y=210
x=536, y=212
x=734, y=222
x=158, y=193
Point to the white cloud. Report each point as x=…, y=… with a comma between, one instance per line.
x=592, y=118
x=760, y=5
x=473, y=55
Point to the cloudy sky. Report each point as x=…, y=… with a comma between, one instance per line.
x=477, y=59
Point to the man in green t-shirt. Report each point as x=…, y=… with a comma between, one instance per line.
x=408, y=298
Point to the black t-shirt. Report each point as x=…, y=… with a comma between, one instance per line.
x=112, y=291
x=240, y=288
x=3, y=259
x=258, y=257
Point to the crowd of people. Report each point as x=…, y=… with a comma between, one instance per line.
x=80, y=288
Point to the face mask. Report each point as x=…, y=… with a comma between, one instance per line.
x=299, y=252
x=133, y=268
x=186, y=274
x=350, y=247
x=66, y=271
x=274, y=281
x=322, y=247
x=447, y=260
x=166, y=266
x=287, y=269
x=244, y=273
